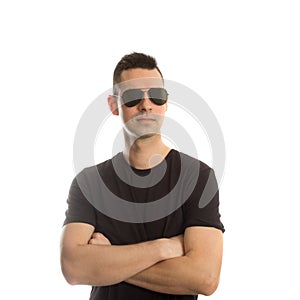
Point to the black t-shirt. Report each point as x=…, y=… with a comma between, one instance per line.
x=130, y=206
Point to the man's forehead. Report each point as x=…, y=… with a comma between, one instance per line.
x=140, y=83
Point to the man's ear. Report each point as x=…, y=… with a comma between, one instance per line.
x=113, y=105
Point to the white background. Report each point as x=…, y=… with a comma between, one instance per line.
x=242, y=57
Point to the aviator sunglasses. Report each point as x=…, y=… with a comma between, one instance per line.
x=133, y=97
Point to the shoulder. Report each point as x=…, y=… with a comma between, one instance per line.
x=93, y=178
x=102, y=168
x=189, y=161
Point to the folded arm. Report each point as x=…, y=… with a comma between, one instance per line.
x=83, y=263
x=197, y=272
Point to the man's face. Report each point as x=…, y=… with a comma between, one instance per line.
x=146, y=118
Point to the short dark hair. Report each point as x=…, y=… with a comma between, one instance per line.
x=132, y=61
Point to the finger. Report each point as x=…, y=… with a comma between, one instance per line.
x=98, y=235
x=95, y=242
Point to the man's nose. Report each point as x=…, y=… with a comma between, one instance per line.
x=146, y=103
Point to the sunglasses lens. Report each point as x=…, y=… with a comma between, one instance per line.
x=158, y=96
x=132, y=97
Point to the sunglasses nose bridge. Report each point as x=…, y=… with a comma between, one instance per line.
x=145, y=100
x=145, y=94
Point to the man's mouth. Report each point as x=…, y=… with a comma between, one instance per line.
x=145, y=118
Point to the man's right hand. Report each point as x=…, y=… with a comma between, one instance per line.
x=174, y=246
x=99, y=239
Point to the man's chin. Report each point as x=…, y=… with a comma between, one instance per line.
x=143, y=135
x=147, y=135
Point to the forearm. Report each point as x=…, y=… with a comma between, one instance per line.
x=180, y=276
x=106, y=265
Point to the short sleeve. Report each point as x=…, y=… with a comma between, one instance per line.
x=79, y=208
x=202, y=207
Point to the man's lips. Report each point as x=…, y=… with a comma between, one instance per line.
x=145, y=118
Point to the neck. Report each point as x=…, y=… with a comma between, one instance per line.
x=145, y=152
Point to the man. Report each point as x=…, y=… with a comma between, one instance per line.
x=173, y=253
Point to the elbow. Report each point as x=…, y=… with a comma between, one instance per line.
x=77, y=274
x=70, y=278
x=69, y=272
x=208, y=286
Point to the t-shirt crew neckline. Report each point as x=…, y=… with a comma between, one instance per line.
x=149, y=169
